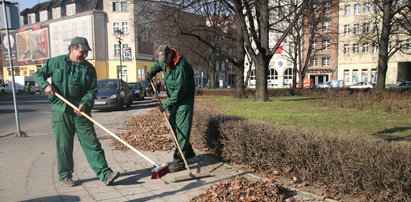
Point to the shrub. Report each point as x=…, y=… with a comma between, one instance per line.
x=350, y=165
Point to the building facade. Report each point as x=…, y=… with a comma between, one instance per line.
x=358, y=46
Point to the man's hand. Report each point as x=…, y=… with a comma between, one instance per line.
x=81, y=108
x=50, y=90
x=149, y=76
x=161, y=108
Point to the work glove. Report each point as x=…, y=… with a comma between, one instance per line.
x=149, y=76
x=161, y=108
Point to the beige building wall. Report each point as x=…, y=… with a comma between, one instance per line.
x=359, y=65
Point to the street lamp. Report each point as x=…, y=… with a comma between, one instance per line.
x=119, y=36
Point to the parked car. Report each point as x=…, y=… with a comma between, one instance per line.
x=112, y=93
x=404, y=84
x=322, y=85
x=149, y=89
x=137, y=90
x=2, y=90
x=362, y=85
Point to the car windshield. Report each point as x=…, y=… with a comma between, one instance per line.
x=133, y=85
x=107, y=85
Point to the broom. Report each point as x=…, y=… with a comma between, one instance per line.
x=157, y=172
x=190, y=175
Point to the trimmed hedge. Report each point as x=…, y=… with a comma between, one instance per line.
x=377, y=169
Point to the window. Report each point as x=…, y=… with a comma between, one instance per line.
x=364, y=75
x=315, y=44
x=376, y=8
x=288, y=76
x=120, y=6
x=327, y=7
x=408, y=45
x=116, y=49
x=347, y=76
x=357, y=9
x=326, y=61
x=366, y=28
x=367, y=7
x=347, y=10
x=71, y=9
x=43, y=16
x=124, y=27
x=356, y=29
x=355, y=78
x=389, y=45
x=373, y=75
x=116, y=6
x=272, y=74
x=326, y=44
x=375, y=27
x=32, y=18
x=355, y=48
x=346, y=29
x=56, y=12
x=346, y=48
x=374, y=47
x=326, y=26
x=365, y=48
x=314, y=62
x=123, y=6
x=116, y=26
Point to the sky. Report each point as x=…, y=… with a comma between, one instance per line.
x=23, y=4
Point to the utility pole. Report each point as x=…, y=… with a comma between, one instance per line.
x=13, y=85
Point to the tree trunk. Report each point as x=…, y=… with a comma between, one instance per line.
x=383, y=44
x=261, y=69
x=239, y=91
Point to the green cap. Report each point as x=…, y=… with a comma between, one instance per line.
x=82, y=41
x=162, y=51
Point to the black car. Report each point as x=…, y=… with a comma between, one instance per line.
x=112, y=93
x=138, y=90
x=147, y=85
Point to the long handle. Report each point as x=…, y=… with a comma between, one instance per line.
x=171, y=128
x=105, y=129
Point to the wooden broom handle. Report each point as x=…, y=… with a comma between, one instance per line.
x=171, y=128
x=105, y=129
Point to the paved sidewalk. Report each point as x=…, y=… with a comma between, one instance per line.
x=29, y=171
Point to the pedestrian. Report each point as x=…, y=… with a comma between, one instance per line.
x=158, y=85
x=75, y=79
x=208, y=85
x=179, y=80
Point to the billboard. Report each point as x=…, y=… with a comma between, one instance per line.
x=28, y=46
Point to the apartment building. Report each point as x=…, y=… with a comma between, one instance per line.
x=358, y=45
x=321, y=33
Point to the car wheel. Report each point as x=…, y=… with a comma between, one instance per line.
x=130, y=101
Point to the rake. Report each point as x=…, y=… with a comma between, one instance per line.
x=190, y=175
x=156, y=173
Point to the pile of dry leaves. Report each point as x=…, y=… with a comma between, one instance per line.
x=242, y=189
x=147, y=132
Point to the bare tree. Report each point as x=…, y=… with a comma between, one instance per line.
x=391, y=32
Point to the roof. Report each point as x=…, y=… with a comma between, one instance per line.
x=48, y=5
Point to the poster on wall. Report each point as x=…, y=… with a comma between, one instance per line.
x=39, y=41
x=127, y=54
x=364, y=76
x=5, y=47
x=355, y=76
x=23, y=46
x=347, y=76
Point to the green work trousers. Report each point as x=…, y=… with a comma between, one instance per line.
x=65, y=125
x=181, y=119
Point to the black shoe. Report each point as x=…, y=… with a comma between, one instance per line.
x=111, y=177
x=176, y=168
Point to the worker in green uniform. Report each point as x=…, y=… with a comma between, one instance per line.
x=75, y=79
x=179, y=79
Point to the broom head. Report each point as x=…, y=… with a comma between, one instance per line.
x=159, y=171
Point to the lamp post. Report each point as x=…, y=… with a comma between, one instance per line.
x=119, y=36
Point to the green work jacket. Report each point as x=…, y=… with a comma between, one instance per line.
x=179, y=81
x=76, y=82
